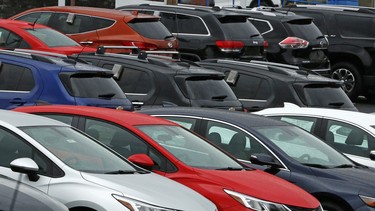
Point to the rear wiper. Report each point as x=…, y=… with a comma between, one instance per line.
x=254, y=35
x=108, y=95
x=315, y=165
x=219, y=97
x=336, y=104
x=231, y=168
x=167, y=37
x=319, y=37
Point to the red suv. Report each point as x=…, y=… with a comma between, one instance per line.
x=98, y=26
x=20, y=34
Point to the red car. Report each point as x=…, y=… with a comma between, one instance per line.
x=20, y=34
x=171, y=150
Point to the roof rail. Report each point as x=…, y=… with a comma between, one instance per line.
x=27, y=55
x=275, y=64
x=40, y=52
x=101, y=49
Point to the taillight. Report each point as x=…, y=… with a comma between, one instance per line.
x=229, y=46
x=265, y=44
x=294, y=43
x=141, y=45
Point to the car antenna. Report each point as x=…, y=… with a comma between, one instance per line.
x=33, y=23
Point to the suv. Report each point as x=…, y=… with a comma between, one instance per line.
x=98, y=26
x=351, y=44
x=260, y=85
x=208, y=32
x=161, y=81
x=292, y=39
x=31, y=78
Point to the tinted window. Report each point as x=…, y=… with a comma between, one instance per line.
x=150, y=29
x=358, y=29
x=169, y=21
x=318, y=20
x=38, y=17
x=9, y=39
x=304, y=28
x=91, y=86
x=190, y=25
x=251, y=87
x=78, y=23
x=209, y=89
x=102, y=23
x=135, y=81
x=52, y=38
x=238, y=27
x=262, y=26
x=16, y=78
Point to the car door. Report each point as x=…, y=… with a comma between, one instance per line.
x=19, y=85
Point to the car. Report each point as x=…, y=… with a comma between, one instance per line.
x=96, y=27
x=83, y=173
x=292, y=39
x=283, y=150
x=20, y=34
x=151, y=80
x=259, y=85
x=30, y=78
x=351, y=133
x=17, y=196
x=208, y=32
x=353, y=64
x=179, y=154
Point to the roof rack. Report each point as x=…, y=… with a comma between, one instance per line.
x=275, y=64
x=27, y=55
x=40, y=52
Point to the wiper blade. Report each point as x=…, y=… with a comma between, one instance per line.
x=167, y=37
x=121, y=172
x=344, y=166
x=336, y=104
x=231, y=168
x=219, y=97
x=254, y=35
x=315, y=165
x=108, y=95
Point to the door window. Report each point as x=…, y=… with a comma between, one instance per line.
x=16, y=78
x=37, y=17
x=306, y=123
x=9, y=39
x=72, y=25
x=187, y=123
x=187, y=24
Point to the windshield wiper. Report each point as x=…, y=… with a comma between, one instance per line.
x=108, y=95
x=344, y=166
x=219, y=97
x=121, y=172
x=315, y=165
x=231, y=168
x=336, y=104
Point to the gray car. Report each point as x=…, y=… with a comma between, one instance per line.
x=83, y=173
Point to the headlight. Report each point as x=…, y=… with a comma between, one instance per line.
x=368, y=200
x=256, y=204
x=135, y=205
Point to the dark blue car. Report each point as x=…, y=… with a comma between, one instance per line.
x=32, y=79
x=284, y=150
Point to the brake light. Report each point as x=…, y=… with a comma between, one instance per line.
x=294, y=43
x=265, y=44
x=141, y=45
x=229, y=46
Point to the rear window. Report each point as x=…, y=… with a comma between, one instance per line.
x=91, y=85
x=209, y=89
x=150, y=29
x=304, y=28
x=52, y=38
x=238, y=27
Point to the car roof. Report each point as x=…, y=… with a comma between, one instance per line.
x=119, y=116
x=18, y=119
x=270, y=13
x=350, y=116
x=334, y=8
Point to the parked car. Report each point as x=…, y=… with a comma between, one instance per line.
x=352, y=133
x=171, y=150
x=16, y=196
x=284, y=150
x=208, y=32
x=98, y=26
x=81, y=172
x=351, y=44
x=292, y=39
x=260, y=85
x=31, y=78
x=150, y=81
x=19, y=34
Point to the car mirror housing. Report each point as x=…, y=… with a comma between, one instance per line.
x=264, y=159
x=26, y=166
x=142, y=160
x=372, y=155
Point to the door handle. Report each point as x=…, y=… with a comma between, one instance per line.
x=86, y=42
x=17, y=101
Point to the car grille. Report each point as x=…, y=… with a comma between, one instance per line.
x=304, y=209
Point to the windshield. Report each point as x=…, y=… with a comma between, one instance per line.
x=209, y=89
x=189, y=148
x=328, y=97
x=52, y=38
x=92, y=85
x=151, y=29
x=303, y=147
x=77, y=150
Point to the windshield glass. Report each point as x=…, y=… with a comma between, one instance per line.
x=189, y=148
x=92, y=85
x=328, y=97
x=51, y=37
x=209, y=89
x=151, y=29
x=303, y=147
x=77, y=150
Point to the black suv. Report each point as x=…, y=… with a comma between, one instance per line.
x=351, y=44
x=292, y=39
x=155, y=81
x=208, y=32
x=260, y=85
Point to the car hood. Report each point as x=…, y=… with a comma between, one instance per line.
x=261, y=185
x=153, y=189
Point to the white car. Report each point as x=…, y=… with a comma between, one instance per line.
x=350, y=132
x=83, y=173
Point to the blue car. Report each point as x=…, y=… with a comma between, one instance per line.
x=32, y=79
x=284, y=150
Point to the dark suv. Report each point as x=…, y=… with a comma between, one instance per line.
x=259, y=84
x=150, y=80
x=351, y=44
x=292, y=39
x=208, y=32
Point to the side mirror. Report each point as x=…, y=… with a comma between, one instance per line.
x=70, y=18
x=372, y=155
x=117, y=71
x=232, y=78
x=142, y=160
x=26, y=166
x=264, y=159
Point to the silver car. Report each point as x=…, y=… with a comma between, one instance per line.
x=83, y=173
